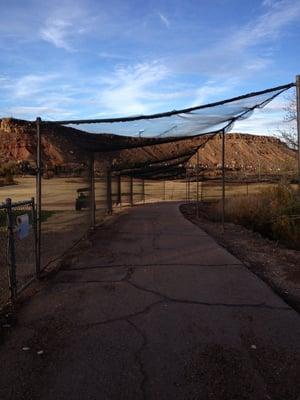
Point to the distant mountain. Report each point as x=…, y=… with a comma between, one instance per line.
x=65, y=146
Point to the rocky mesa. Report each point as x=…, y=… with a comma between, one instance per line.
x=65, y=146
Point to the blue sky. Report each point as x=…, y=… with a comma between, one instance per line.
x=87, y=58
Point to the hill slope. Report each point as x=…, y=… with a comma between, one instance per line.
x=67, y=146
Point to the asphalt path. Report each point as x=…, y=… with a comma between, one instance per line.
x=150, y=307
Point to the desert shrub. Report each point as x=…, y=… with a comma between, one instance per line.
x=7, y=172
x=273, y=213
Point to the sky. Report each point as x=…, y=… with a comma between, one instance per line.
x=64, y=59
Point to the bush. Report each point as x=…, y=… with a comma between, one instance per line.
x=273, y=213
x=7, y=172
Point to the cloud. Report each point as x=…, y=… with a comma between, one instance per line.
x=128, y=89
x=28, y=85
x=34, y=110
x=246, y=49
x=57, y=32
x=164, y=19
x=210, y=90
x=112, y=56
x=65, y=22
x=266, y=120
x=267, y=26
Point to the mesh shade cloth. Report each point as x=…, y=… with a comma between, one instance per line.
x=194, y=121
x=117, y=134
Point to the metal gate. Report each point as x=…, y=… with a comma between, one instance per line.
x=18, y=255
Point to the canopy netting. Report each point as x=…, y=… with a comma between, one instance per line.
x=209, y=118
x=116, y=134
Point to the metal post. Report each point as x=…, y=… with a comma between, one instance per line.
x=131, y=191
x=33, y=214
x=143, y=191
x=11, y=251
x=119, y=195
x=198, y=174
x=38, y=194
x=108, y=191
x=201, y=191
x=223, y=179
x=186, y=186
x=298, y=125
x=92, y=190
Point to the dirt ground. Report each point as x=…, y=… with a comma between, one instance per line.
x=275, y=264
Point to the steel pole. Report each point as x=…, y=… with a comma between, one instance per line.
x=298, y=125
x=33, y=214
x=92, y=190
x=108, y=191
x=38, y=194
x=223, y=179
x=143, y=191
x=186, y=187
x=119, y=195
x=131, y=190
x=198, y=174
x=11, y=251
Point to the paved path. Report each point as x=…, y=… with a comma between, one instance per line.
x=153, y=308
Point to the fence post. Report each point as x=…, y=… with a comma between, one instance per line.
x=198, y=175
x=119, y=194
x=298, y=125
x=11, y=251
x=38, y=194
x=186, y=186
x=92, y=189
x=108, y=191
x=131, y=190
x=201, y=190
x=143, y=190
x=33, y=215
x=223, y=179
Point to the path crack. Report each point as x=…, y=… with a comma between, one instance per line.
x=145, y=310
x=138, y=357
x=203, y=303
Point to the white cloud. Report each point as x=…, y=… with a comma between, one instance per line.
x=264, y=121
x=246, y=49
x=129, y=90
x=28, y=85
x=267, y=26
x=34, y=110
x=57, y=32
x=164, y=19
x=66, y=22
x=211, y=90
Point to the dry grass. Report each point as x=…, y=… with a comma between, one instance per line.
x=7, y=172
x=274, y=212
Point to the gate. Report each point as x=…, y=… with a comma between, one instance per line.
x=18, y=256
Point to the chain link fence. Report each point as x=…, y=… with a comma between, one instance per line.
x=67, y=214
x=4, y=272
x=17, y=248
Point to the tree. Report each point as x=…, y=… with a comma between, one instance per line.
x=289, y=131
